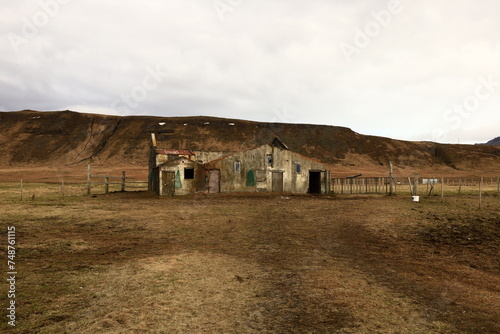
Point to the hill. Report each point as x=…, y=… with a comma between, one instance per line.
x=495, y=142
x=33, y=139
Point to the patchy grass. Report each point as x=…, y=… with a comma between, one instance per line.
x=245, y=263
x=466, y=229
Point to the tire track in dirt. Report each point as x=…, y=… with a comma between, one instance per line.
x=411, y=270
x=290, y=306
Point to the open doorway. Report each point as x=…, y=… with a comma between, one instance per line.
x=315, y=182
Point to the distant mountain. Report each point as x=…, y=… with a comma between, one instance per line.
x=495, y=142
x=30, y=138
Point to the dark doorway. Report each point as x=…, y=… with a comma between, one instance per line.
x=314, y=182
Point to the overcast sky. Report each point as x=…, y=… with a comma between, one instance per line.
x=408, y=69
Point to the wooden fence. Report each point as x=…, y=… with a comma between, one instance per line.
x=361, y=185
x=106, y=181
x=31, y=189
x=420, y=186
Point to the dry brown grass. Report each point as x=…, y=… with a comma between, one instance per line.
x=254, y=263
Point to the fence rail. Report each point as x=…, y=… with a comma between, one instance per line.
x=361, y=185
x=31, y=189
x=407, y=185
x=122, y=184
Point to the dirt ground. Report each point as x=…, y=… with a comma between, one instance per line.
x=254, y=263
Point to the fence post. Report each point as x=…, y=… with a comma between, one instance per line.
x=89, y=184
x=442, y=187
x=498, y=184
x=106, y=185
x=123, y=181
x=21, y=189
x=480, y=193
x=391, y=179
x=459, y=186
x=415, y=185
x=62, y=187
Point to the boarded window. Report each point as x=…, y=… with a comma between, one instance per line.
x=237, y=166
x=260, y=175
x=269, y=160
x=298, y=168
x=188, y=173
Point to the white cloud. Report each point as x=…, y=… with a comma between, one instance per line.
x=263, y=56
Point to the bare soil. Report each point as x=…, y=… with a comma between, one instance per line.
x=254, y=263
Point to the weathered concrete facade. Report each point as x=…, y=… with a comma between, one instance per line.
x=267, y=168
x=271, y=168
x=162, y=160
x=180, y=176
x=207, y=156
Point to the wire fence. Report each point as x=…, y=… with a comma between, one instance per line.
x=27, y=189
x=32, y=188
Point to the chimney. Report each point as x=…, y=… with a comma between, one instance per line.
x=153, y=139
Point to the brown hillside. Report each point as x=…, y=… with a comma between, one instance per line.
x=33, y=139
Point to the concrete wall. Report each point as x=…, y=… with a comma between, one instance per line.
x=188, y=185
x=256, y=160
x=207, y=156
x=162, y=158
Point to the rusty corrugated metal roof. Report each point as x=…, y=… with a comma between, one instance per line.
x=174, y=152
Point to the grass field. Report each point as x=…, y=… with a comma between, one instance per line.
x=254, y=263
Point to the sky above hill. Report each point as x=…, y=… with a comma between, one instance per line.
x=407, y=69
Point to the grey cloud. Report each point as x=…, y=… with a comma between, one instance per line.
x=262, y=56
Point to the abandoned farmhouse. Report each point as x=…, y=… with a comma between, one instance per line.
x=271, y=167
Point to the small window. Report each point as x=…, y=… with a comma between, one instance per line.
x=188, y=173
x=269, y=160
x=298, y=168
x=237, y=166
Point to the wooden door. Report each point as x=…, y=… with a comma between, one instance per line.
x=214, y=181
x=277, y=185
x=168, y=183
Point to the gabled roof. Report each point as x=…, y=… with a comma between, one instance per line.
x=275, y=143
x=174, y=152
x=176, y=161
x=278, y=143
